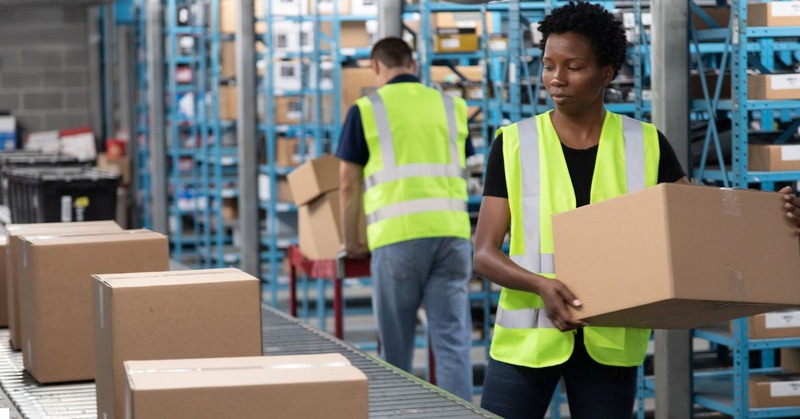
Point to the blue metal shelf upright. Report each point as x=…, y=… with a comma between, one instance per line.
x=140, y=132
x=740, y=49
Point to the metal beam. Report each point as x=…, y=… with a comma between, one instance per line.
x=127, y=111
x=246, y=137
x=670, y=84
x=109, y=61
x=155, y=102
x=390, y=18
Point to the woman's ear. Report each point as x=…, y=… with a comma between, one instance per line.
x=608, y=75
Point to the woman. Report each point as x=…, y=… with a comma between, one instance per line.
x=576, y=154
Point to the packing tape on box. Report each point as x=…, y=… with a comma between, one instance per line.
x=98, y=233
x=287, y=366
x=730, y=202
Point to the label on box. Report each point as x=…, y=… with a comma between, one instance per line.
x=784, y=389
x=785, y=9
x=790, y=152
x=451, y=43
x=784, y=81
x=782, y=319
x=498, y=44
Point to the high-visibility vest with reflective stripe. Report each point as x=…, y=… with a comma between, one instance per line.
x=539, y=186
x=415, y=178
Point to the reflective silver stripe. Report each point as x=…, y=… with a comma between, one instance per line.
x=633, y=131
x=452, y=129
x=391, y=171
x=535, y=262
x=415, y=206
x=411, y=170
x=525, y=318
x=384, y=130
x=529, y=159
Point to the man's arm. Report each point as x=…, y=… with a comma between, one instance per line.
x=350, y=180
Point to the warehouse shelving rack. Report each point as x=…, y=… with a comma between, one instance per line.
x=141, y=131
x=739, y=47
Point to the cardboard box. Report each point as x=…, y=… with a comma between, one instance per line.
x=352, y=34
x=711, y=84
x=773, y=86
x=56, y=294
x=121, y=165
x=719, y=15
x=284, y=191
x=314, y=178
x=357, y=82
x=285, y=150
x=778, y=324
x=227, y=51
x=790, y=359
x=227, y=102
x=783, y=13
x=14, y=261
x=230, y=208
x=774, y=390
x=773, y=158
x=246, y=387
x=288, y=110
x=678, y=256
x=473, y=20
x=320, y=232
x=170, y=315
x=455, y=40
x=441, y=74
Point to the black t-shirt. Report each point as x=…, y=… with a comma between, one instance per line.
x=581, y=169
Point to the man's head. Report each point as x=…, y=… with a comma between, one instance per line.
x=596, y=24
x=392, y=57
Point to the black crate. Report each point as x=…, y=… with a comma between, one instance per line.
x=30, y=159
x=61, y=194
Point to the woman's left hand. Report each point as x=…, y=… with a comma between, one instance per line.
x=791, y=206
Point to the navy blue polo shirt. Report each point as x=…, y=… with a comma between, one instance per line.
x=353, y=143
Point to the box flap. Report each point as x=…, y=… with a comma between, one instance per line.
x=168, y=278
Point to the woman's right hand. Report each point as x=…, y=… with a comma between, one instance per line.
x=557, y=302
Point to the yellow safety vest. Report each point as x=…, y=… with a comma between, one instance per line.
x=539, y=186
x=415, y=178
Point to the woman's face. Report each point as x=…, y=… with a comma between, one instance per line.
x=572, y=75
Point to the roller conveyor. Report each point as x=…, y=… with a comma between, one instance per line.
x=392, y=393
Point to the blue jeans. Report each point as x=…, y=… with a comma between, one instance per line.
x=432, y=272
x=593, y=390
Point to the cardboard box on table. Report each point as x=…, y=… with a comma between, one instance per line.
x=56, y=294
x=13, y=257
x=170, y=315
x=315, y=189
x=678, y=256
x=246, y=387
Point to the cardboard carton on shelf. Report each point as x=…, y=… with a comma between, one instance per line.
x=246, y=387
x=208, y=313
x=678, y=256
x=14, y=233
x=56, y=294
x=783, y=13
x=773, y=157
x=773, y=86
x=774, y=390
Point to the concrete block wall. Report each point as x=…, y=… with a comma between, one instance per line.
x=44, y=75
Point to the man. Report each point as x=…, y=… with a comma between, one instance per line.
x=407, y=144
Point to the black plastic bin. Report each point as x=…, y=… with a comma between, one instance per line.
x=61, y=194
x=18, y=159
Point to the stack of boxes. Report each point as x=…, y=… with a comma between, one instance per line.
x=90, y=301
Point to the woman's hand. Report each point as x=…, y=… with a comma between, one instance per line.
x=557, y=300
x=791, y=207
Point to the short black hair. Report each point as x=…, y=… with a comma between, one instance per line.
x=392, y=52
x=605, y=34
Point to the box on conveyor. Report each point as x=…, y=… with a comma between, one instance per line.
x=678, y=256
x=55, y=291
x=208, y=313
x=246, y=387
x=13, y=252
